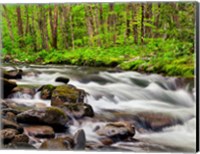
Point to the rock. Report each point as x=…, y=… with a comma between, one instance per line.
x=52, y=116
x=46, y=91
x=8, y=134
x=154, y=121
x=39, y=131
x=20, y=138
x=91, y=145
x=79, y=140
x=10, y=124
x=62, y=79
x=7, y=86
x=78, y=110
x=22, y=92
x=13, y=74
x=19, y=145
x=66, y=94
x=10, y=116
x=56, y=144
x=116, y=131
x=7, y=58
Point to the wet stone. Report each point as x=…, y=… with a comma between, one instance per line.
x=39, y=131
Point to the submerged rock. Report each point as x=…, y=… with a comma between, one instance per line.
x=78, y=110
x=52, y=116
x=154, y=121
x=62, y=79
x=116, y=131
x=40, y=131
x=66, y=94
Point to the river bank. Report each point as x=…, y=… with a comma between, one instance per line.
x=165, y=57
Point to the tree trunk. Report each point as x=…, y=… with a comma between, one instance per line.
x=33, y=32
x=127, y=30
x=142, y=23
x=89, y=24
x=54, y=25
x=97, y=25
x=9, y=24
x=20, y=26
x=148, y=16
x=134, y=21
x=71, y=27
x=27, y=20
x=112, y=22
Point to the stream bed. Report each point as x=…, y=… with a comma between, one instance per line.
x=121, y=96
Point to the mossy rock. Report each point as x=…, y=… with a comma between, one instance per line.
x=51, y=116
x=46, y=91
x=66, y=93
x=78, y=110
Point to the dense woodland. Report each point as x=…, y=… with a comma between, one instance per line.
x=149, y=37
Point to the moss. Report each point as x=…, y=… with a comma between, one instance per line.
x=55, y=110
x=73, y=106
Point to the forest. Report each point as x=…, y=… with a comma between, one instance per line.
x=144, y=37
x=99, y=77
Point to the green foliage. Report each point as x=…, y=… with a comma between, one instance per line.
x=168, y=46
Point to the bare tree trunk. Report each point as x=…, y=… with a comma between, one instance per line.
x=148, y=16
x=97, y=25
x=71, y=27
x=33, y=32
x=127, y=30
x=101, y=18
x=27, y=20
x=142, y=24
x=55, y=25
x=134, y=21
x=112, y=18
x=89, y=24
x=20, y=26
x=9, y=24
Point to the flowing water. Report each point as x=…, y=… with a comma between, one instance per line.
x=118, y=96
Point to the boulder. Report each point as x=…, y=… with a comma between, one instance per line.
x=62, y=79
x=7, y=86
x=154, y=121
x=8, y=134
x=56, y=144
x=52, y=116
x=19, y=145
x=46, y=91
x=78, y=110
x=20, y=138
x=13, y=74
x=66, y=94
x=79, y=140
x=11, y=124
x=22, y=92
x=116, y=131
x=39, y=131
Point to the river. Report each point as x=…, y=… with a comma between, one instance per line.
x=116, y=95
